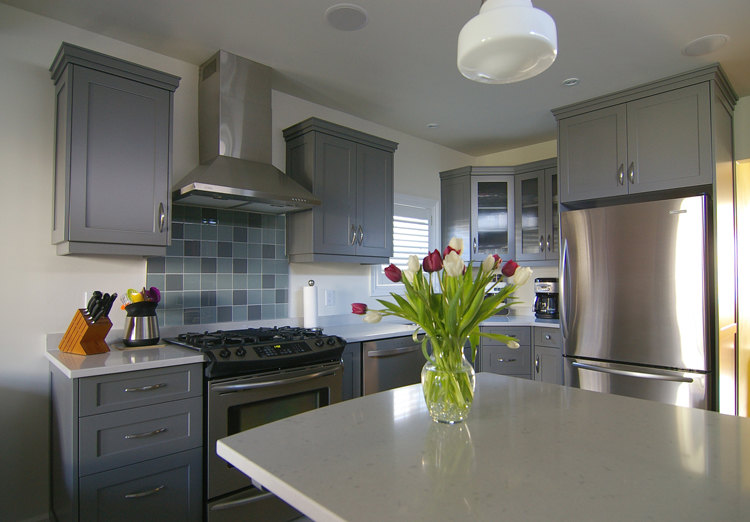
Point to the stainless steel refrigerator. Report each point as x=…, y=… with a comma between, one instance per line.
x=635, y=314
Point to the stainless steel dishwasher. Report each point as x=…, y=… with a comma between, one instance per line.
x=390, y=363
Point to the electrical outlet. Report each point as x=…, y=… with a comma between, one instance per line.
x=330, y=298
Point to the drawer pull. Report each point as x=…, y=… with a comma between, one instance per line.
x=150, y=387
x=536, y=364
x=147, y=493
x=147, y=434
x=547, y=336
x=500, y=359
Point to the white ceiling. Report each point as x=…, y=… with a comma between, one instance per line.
x=400, y=70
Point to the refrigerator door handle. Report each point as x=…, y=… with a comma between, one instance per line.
x=563, y=289
x=643, y=374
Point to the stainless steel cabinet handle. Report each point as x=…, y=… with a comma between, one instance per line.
x=393, y=351
x=631, y=173
x=354, y=235
x=162, y=217
x=621, y=174
x=549, y=242
x=500, y=359
x=150, y=387
x=148, y=493
x=240, y=502
x=361, y=235
x=643, y=374
x=541, y=243
x=265, y=384
x=147, y=434
x=536, y=364
x=548, y=337
x=475, y=245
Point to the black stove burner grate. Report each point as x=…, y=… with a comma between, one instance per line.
x=247, y=337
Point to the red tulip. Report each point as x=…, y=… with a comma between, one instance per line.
x=510, y=268
x=432, y=262
x=448, y=250
x=393, y=273
x=359, y=308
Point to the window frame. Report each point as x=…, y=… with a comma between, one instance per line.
x=378, y=285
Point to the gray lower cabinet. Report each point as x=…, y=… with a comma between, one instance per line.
x=650, y=138
x=127, y=446
x=547, y=357
x=496, y=357
x=352, y=174
x=113, y=145
x=352, y=359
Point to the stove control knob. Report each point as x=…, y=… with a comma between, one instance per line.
x=240, y=352
x=318, y=342
x=224, y=353
x=331, y=340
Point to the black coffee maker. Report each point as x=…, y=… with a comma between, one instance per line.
x=545, y=303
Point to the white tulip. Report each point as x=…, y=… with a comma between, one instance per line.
x=488, y=264
x=456, y=243
x=408, y=275
x=523, y=273
x=453, y=264
x=372, y=316
x=511, y=344
x=413, y=264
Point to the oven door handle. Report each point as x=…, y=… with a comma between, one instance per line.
x=231, y=504
x=265, y=384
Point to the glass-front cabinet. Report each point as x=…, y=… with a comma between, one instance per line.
x=537, y=214
x=492, y=217
x=509, y=211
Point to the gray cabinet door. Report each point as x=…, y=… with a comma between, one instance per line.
x=552, y=210
x=492, y=214
x=593, y=154
x=669, y=140
x=496, y=357
x=119, y=161
x=531, y=217
x=167, y=488
x=374, y=202
x=352, y=359
x=455, y=212
x=548, y=365
x=336, y=186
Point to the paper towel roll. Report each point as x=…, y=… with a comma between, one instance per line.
x=310, y=304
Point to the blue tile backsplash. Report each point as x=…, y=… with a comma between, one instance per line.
x=222, y=266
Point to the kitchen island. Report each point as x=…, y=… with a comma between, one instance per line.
x=529, y=451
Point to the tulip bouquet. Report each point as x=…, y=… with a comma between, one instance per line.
x=448, y=300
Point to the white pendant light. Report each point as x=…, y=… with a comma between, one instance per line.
x=508, y=41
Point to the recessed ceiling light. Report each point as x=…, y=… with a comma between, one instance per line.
x=433, y=125
x=570, y=82
x=705, y=45
x=346, y=17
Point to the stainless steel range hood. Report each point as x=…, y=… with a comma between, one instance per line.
x=234, y=120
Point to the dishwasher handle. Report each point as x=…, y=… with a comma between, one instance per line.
x=393, y=351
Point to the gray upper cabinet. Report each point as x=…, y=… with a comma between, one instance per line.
x=537, y=214
x=352, y=174
x=112, y=155
x=477, y=205
x=651, y=138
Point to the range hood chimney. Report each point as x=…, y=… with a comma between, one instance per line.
x=234, y=139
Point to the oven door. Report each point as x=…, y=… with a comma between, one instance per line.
x=240, y=403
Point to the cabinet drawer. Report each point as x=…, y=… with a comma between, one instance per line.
x=547, y=337
x=522, y=333
x=119, y=438
x=118, y=391
x=168, y=488
x=506, y=361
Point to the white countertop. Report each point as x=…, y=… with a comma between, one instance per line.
x=124, y=359
x=529, y=451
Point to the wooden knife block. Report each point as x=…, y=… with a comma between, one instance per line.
x=84, y=337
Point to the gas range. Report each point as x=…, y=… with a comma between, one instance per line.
x=254, y=350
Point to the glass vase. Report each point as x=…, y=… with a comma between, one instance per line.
x=448, y=388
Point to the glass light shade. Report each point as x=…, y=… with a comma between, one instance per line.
x=508, y=41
